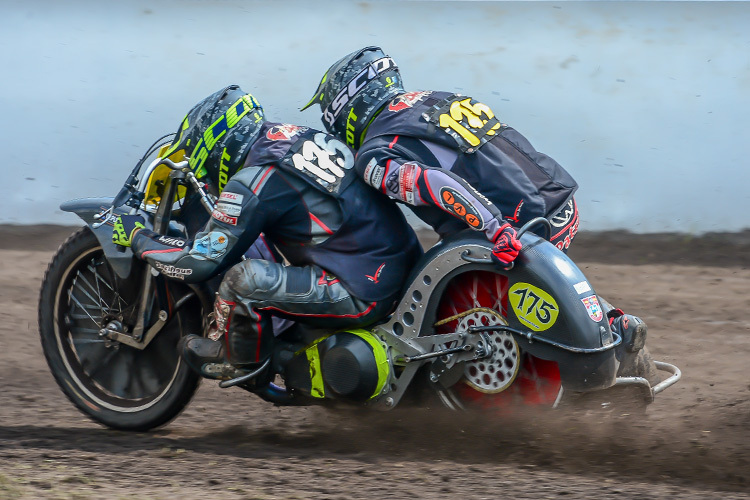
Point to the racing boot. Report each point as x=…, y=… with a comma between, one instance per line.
x=250, y=343
x=631, y=328
x=234, y=347
x=204, y=356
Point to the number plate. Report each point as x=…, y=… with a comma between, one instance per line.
x=469, y=122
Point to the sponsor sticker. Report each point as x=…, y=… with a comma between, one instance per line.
x=593, y=308
x=229, y=209
x=172, y=271
x=455, y=202
x=106, y=216
x=172, y=242
x=222, y=217
x=582, y=287
x=374, y=173
x=231, y=197
x=284, y=132
x=533, y=306
x=407, y=178
x=406, y=100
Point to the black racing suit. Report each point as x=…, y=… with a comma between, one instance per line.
x=451, y=159
x=349, y=249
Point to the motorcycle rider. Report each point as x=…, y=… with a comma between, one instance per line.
x=450, y=159
x=349, y=250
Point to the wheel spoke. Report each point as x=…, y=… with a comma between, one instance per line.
x=98, y=301
x=85, y=309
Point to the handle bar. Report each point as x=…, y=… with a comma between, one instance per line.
x=533, y=222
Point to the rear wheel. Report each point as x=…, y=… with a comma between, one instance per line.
x=114, y=384
x=510, y=377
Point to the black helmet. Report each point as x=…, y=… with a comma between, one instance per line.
x=217, y=133
x=353, y=90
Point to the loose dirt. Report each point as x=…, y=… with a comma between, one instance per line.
x=692, y=442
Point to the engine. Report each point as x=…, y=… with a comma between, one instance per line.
x=350, y=365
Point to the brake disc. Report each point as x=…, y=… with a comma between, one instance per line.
x=497, y=372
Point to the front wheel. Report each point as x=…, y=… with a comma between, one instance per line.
x=114, y=384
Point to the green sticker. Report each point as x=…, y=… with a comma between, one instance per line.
x=533, y=306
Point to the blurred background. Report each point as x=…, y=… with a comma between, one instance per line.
x=647, y=104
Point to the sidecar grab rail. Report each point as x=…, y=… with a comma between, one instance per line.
x=671, y=380
x=466, y=255
x=650, y=392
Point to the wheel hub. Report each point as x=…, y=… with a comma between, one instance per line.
x=496, y=372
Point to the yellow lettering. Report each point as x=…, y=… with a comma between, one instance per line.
x=462, y=114
x=223, y=170
x=446, y=121
x=350, y=127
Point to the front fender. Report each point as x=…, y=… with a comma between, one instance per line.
x=90, y=210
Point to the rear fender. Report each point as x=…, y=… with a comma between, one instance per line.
x=546, y=297
x=549, y=295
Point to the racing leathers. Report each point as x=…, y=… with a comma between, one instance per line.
x=349, y=249
x=450, y=158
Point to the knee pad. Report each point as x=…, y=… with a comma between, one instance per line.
x=248, y=276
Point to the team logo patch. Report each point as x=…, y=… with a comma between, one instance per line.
x=376, y=277
x=212, y=246
x=406, y=100
x=284, y=132
x=593, y=308
x=564, y=216
x=455, y=202
x=533, y=306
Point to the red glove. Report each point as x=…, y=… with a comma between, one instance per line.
x=506, y=246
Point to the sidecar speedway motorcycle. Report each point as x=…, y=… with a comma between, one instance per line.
x=466, y=334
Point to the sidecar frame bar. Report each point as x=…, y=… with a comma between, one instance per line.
x=531, y=337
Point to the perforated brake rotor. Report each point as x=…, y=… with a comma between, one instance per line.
x=497, y=372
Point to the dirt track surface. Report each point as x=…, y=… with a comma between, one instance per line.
x=693, y=442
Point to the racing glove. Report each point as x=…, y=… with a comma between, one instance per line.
x=125, y=228
x=506, y=246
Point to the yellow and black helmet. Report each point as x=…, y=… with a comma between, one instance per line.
x=217, y=134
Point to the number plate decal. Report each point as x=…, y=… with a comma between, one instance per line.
x=469, y=122
x=533, y=306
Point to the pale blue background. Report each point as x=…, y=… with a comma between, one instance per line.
x=645, y=103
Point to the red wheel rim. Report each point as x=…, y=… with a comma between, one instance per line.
x=538, y=380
